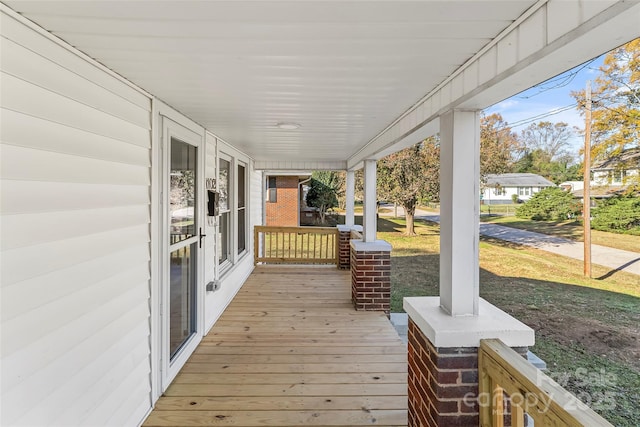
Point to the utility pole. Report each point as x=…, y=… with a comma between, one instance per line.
x=586, y=193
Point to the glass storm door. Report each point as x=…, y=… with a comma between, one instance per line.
x=180, y=290
x=183, y=244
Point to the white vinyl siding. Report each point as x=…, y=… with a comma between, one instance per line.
x=75, y=218
x=231, y=278
x=256, y=185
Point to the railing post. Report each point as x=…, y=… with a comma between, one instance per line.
x=256, y=245
x=506, y=372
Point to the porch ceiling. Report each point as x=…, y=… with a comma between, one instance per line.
x=343, y=70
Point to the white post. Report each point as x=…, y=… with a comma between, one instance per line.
x=369, y=220
x=459, y=212
x=350, y=197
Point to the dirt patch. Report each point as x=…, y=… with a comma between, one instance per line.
x=618, y=343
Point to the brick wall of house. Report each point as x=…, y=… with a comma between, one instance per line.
x=371, y=280
x=285, y=211
x=443, y=383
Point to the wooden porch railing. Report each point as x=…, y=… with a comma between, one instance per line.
x=528, y=390
x=295, y=245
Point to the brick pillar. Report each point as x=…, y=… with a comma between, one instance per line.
x=443, y=380
x=443, y=383
x=344, y=247
x=371, y=275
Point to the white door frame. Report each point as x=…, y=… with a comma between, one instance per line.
x=170, y=368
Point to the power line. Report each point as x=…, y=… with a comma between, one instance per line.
x=538, y=117
x=566, y=79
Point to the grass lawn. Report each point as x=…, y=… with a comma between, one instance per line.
x=570, y=230
x=587, y=330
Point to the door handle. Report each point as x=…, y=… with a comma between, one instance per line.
x=201, y=237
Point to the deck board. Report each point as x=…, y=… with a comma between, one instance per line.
x=291, y=350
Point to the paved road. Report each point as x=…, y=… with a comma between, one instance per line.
x=601, y=255
x=616, y=259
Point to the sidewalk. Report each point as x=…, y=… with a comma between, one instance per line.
x=602, y=255
x=616, y=259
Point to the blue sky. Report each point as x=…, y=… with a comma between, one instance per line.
x=548, y=97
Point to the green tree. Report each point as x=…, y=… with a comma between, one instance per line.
x=616, y=102
x=322, y=194
x=619, y=214
x=341, y=191
x=498, y=144
x=550, y=204
x=551, y=139
x=411, y=175
x=544, y=150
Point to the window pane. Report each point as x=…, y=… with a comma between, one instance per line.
x=241, y=188
x=223, y=238
x=242, y=236
x=182, y=192
x=182, y=296
x=224, y=179
x=272, y=196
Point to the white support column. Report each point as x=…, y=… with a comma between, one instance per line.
x=369, y=220
x=459, y=212
x=349, y=219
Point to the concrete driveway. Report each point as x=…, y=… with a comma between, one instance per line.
x=616, y=259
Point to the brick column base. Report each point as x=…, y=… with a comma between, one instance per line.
x=443, y=383
x=371, y=275
x=344, y=247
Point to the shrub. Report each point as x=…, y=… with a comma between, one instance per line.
x=550, y=204
x=514, y=198
x=620, y=214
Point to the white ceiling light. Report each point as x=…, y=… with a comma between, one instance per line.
x=288, y=126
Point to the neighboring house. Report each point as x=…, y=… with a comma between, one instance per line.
x=609, y=177
x=571, y=185
x=500, y=189
x=284, y=199
x=618, y=170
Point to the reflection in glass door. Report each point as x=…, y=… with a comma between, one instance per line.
x=183, y=244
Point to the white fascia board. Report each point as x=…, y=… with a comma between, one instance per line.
x=278, y=166
x=412, y=137
x=542, y=44
x=287, y=173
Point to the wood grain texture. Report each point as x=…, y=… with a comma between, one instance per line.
x=291, y=350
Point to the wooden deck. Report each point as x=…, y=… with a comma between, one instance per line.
x=290, y=350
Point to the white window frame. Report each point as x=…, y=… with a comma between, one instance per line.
x=240, y=254
x=225, y=265
x=236, y=158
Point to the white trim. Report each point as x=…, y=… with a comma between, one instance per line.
x=443, y=330
x=155, y=226
x=170, y=123
x=235, y=157
x=246, y=208
x=504, y=33
x=297, y=165
x=226, y=264
x=537, y=49
x=375, y=246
